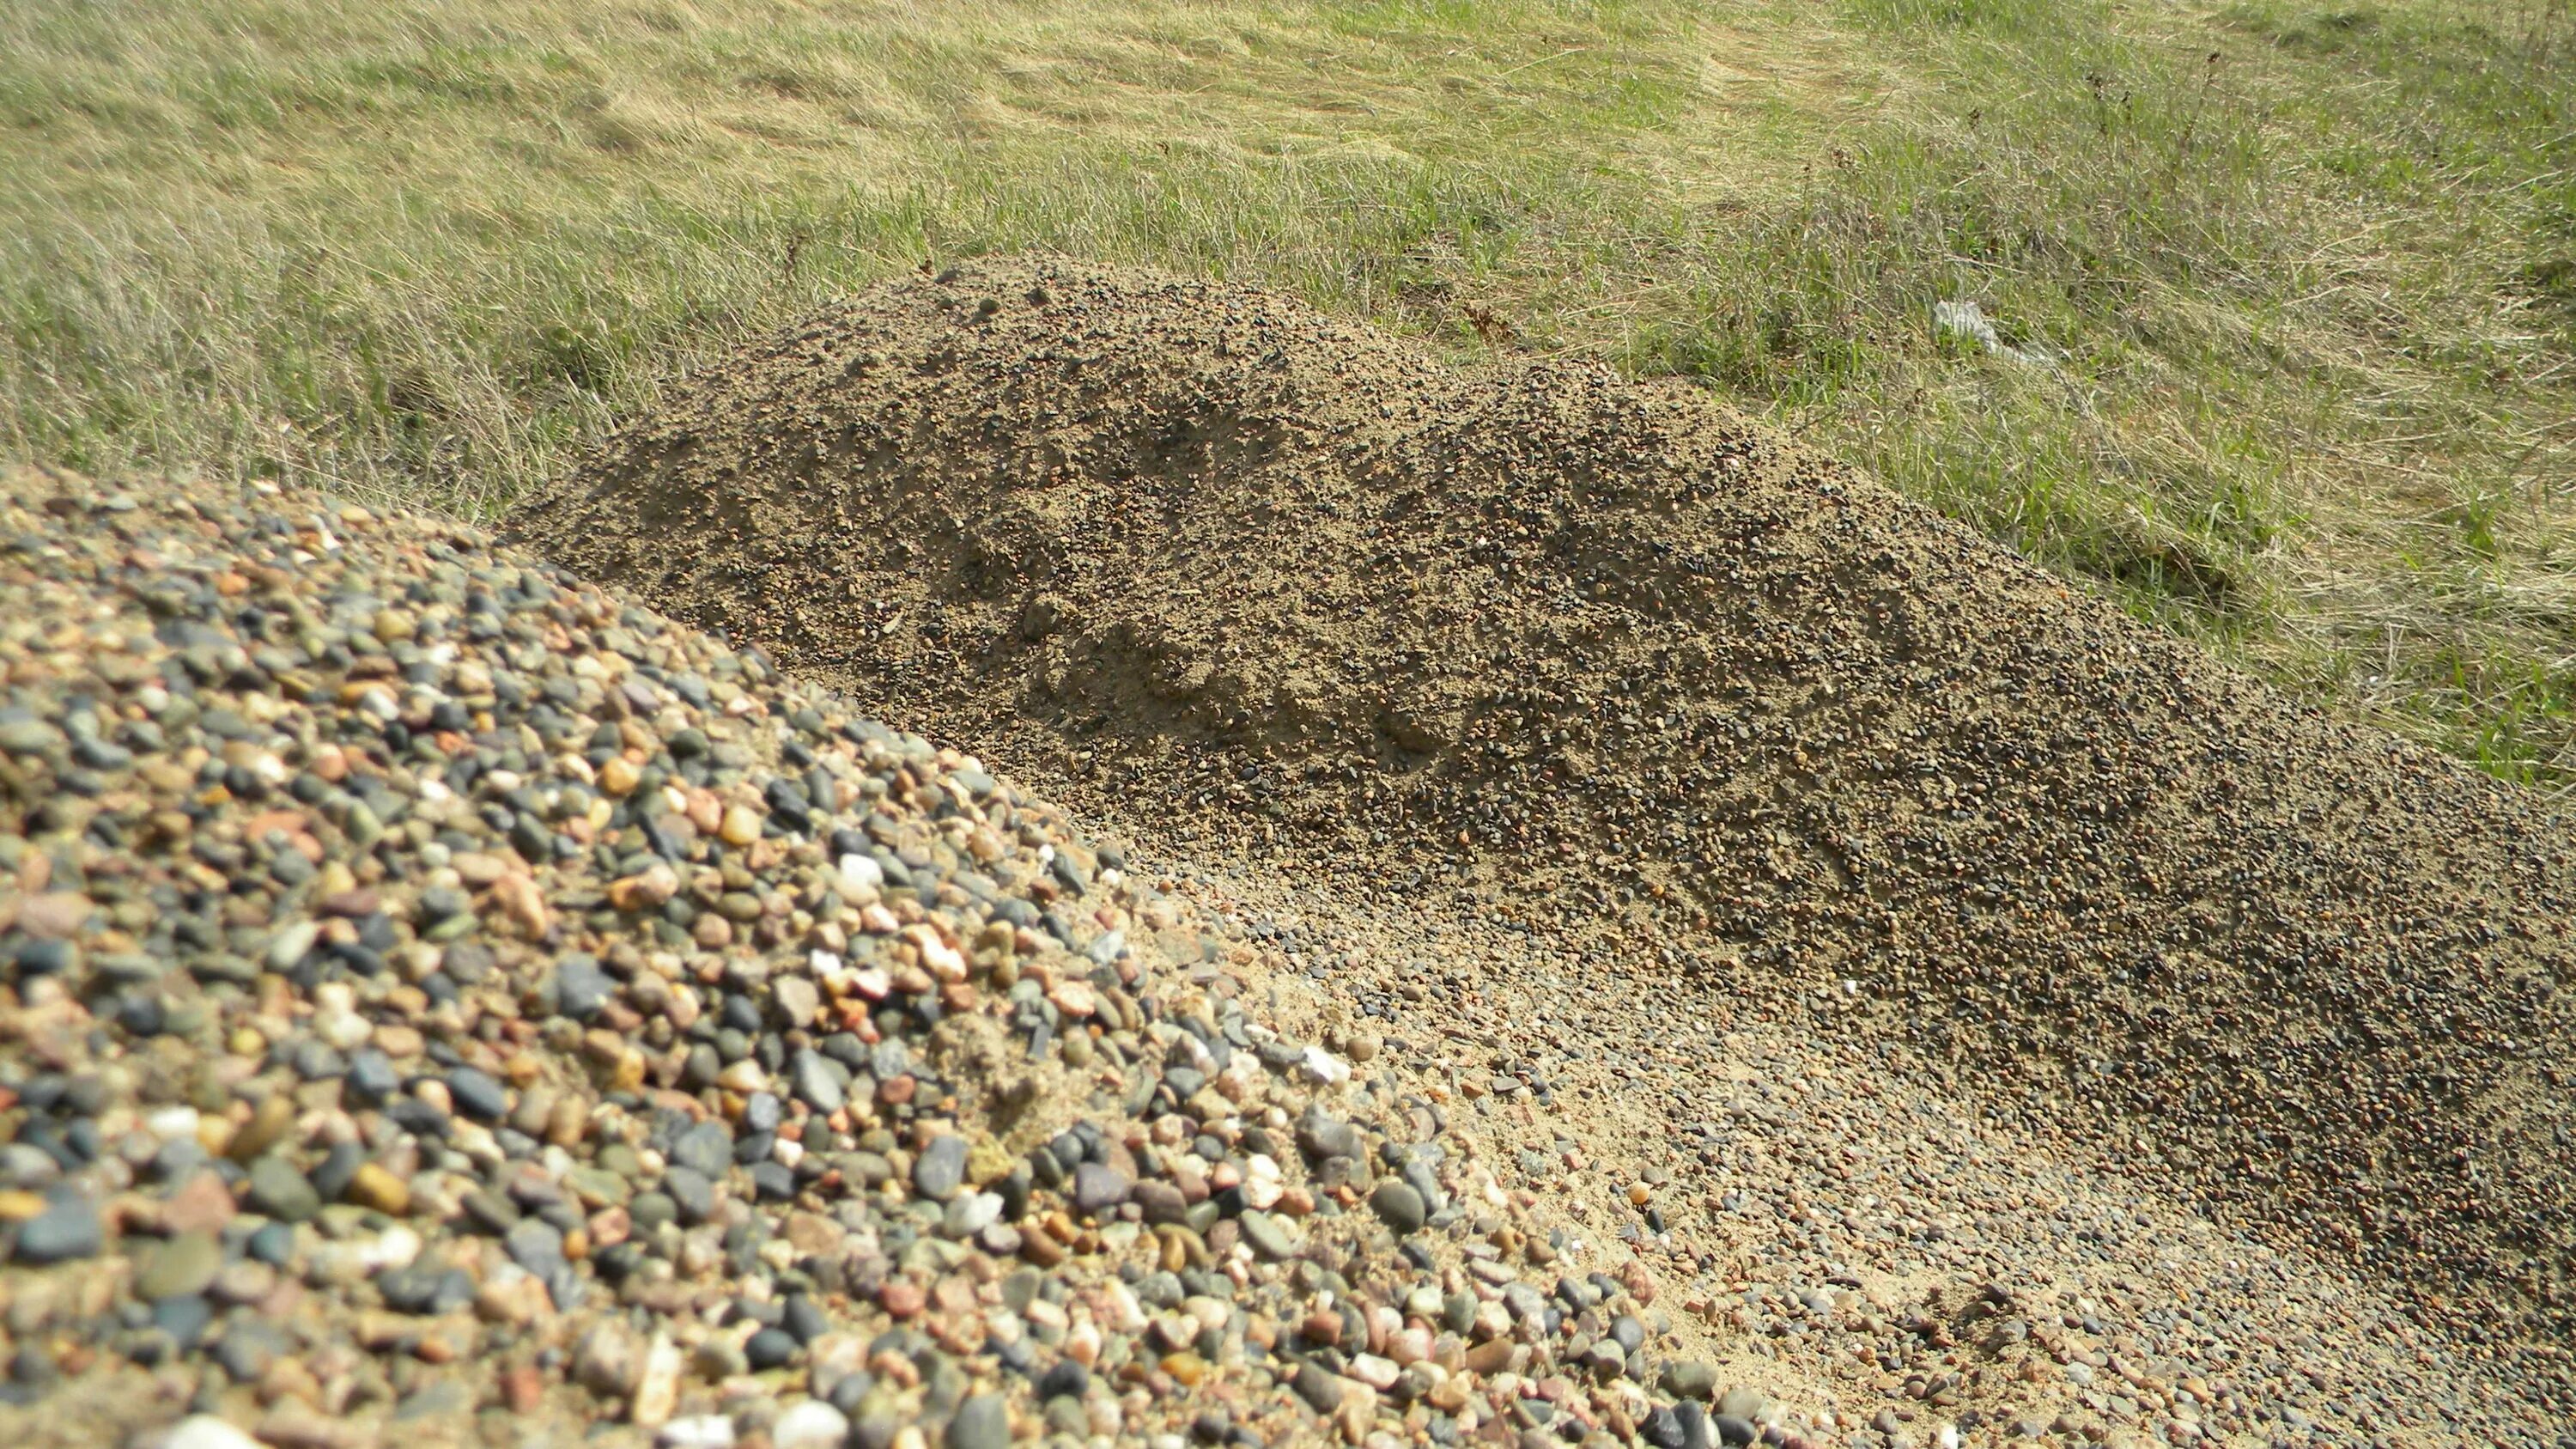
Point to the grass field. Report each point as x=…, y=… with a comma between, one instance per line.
x=2289, y=289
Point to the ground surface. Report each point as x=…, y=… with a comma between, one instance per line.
x=1626, y=930
x=446, y=1002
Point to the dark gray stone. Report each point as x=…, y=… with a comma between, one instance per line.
x=1399, y=1207
x=581, y=987
x=477, y=1095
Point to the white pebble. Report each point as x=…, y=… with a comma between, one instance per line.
x=812, y=1424
x=859, y=871
x=973, y=1214
x=203, y=1431
x=698, y=1431
x=169, y=1124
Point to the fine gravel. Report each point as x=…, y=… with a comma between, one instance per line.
x=1598, y=673
x=445, y=1003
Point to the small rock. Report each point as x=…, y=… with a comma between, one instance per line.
x=1399, y=1207
x=657, y=1387
x=811, y=1076
x=706, y=1148
x=698, y=1431
x=1323, y=1390
x=1688, y=1378
x=54, y=915
x=202, y=1431
x=1321, y=1137
x=477, y=1095
x=582, y=989
x=375, y=1187
x=68, y=1228
x=768, y=1349
x=183, y=1266
x=1268, y=1236
x=281, y=1192
x=1097, y=1188
x=812, y=1424
x=29, y=737
x=941, y=1169
x=437, y=1399
x=982, y=1422
x=607, y=1360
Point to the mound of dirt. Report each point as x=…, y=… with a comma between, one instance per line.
x=1590, y=660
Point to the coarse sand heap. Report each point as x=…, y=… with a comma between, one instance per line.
x=1586, y=661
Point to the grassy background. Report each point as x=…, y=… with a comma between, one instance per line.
x=2291, y=286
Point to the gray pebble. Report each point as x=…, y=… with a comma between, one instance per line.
x=1398, y=1206
x=68, y=1228
x=278, y=1190
x=1097, y=1188
x=581, y=987
x=477, y=1095
x=1268, y=1238
x=941, y=1169
x=691, y=1192
x=1688, y=1378
x=982, y=1422
x=706, y=1148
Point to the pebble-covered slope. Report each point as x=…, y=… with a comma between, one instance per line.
x=440, y=1002
x=1566, y=651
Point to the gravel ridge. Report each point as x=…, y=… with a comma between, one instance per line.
x=1592, y=655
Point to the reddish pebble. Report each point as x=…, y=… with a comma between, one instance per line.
x=521, y=1387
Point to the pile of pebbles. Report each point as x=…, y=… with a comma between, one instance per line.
x=439, y=1000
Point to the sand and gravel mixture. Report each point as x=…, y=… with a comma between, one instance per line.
x=1568, y=923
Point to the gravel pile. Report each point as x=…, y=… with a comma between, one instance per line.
x=1600, y=666
x=442, y=1002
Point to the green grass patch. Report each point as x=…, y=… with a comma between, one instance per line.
x=2284, y=296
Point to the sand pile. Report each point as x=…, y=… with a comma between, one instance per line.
x=1586, y=662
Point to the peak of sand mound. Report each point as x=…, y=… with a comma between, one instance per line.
x=1582, y=661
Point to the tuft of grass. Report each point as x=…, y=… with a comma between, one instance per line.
x=2284, y=293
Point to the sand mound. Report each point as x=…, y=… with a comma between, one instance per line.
x=1586, y=655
